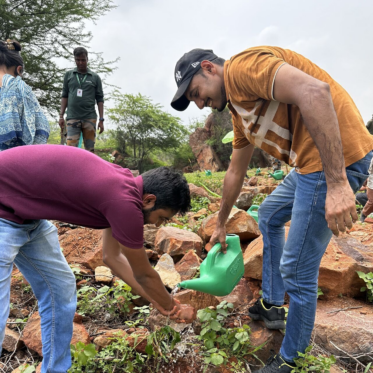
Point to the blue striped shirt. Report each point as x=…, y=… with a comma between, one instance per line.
x=22, y=122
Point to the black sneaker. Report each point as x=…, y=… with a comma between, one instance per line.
x=274, y=317
x=276, y=364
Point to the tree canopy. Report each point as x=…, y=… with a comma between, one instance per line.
x=48, y=31
x=143, y=127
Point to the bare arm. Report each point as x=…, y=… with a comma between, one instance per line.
x=61, y=121
x=232, y=186
x=314, y=100
x=100, y=106
x=136, y=272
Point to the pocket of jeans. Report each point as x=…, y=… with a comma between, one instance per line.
x=356, y=179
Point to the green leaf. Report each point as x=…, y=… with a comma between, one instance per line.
x=149, y=350
x=215, y=325
x=236, y=345
x=217, y=359
x=222, y=311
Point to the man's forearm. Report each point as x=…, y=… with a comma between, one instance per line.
x=322, y=123
x=120, y=267
x=100, y=106
x=232, y=186
x=63, y=106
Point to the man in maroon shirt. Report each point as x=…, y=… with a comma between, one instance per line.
x=71, y=185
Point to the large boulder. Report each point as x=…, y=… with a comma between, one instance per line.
x=343, y=257
x=177, y=242
x=239, y=222
x=83, y=246
x=166, y=270
x=196, y=191
x=188, y=265
x=253, y=258
x=347, y=331
x=32, y=334
x=206, y=157
x=240, y=295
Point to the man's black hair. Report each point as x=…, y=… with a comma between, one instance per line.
x=9, y=54
x=80, y=50
x=170, y=187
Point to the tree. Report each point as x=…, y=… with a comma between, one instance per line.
x=48, y=31
x=143, y=127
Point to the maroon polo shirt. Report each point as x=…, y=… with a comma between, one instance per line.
x=71, y=185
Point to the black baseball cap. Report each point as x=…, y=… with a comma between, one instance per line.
x=185, y=69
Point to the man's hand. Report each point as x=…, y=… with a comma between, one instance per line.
x=340, y=209
x=61, y=123
x=180, y=313
x=219, y=236
x=101, y=126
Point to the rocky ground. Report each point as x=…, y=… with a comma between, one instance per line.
x=125, y=334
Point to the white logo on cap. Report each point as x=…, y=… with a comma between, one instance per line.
x=178, y=76
x=195, y=64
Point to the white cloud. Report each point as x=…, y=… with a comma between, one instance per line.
x=151, y=35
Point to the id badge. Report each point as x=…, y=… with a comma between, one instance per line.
x=79, y=93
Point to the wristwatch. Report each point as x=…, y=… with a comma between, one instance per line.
x=102, y=119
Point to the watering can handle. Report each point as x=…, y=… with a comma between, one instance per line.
x=253, y=207
x=213, y=253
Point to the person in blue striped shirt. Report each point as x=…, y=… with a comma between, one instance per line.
x=22, y=121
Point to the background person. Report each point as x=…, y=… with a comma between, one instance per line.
x=292, y=109
x=82, y=88
x=22, y=122
x=97, y=194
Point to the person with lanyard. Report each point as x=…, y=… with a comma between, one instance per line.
x=22, y=121
x=82, y=88
x=288, y=106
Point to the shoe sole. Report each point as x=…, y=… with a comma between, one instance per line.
x=276, y=324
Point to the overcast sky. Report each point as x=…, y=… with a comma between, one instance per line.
x=149, y=36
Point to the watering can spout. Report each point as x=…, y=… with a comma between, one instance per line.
x=196, y=284
x=271, y=174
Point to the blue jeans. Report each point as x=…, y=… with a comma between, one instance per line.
x=293, y=266
x=35, y=250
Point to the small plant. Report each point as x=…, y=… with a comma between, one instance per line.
x=221, y=343
x=308, y=362
x=113, y=299
x=259, y=198
x=161, y=342
x=81, y=355
x=368, y=279
x=199, y=203
x=319, y=292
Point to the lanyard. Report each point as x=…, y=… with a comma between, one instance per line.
x=77, y=78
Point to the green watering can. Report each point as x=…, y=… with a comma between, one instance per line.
x=277, y=175
x=253, y=212
x=258, y=170
x=220, y=273
x=208, y=172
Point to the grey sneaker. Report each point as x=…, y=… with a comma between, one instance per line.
x=362, y=217
x=276, y=364
x=274, y=318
